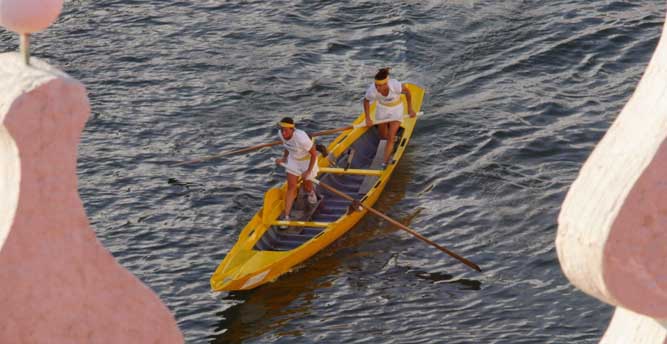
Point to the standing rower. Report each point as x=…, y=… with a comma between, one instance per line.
x=387, y=92
x=299, y=156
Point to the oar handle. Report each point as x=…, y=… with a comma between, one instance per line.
x=390, y=220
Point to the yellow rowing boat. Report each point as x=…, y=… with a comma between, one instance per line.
x=263, y=252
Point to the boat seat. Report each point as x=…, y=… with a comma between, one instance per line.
x=376, y=164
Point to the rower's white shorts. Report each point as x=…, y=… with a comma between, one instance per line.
x=301, y=166
x=383, y=113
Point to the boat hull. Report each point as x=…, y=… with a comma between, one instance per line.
x=262, y=254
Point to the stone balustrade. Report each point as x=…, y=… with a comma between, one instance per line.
x=57, y=282
x=612, y=234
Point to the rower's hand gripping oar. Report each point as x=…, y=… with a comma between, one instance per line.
x=390, y=220
x=275, y=143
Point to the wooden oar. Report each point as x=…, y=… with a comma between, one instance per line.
x=392, y=221
x=275, y=143
x=249, y=149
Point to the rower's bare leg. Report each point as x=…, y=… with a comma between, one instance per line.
x=290, y=195
x=393, y=129
x=308, y=185
x=382, y=130
x=310, y=191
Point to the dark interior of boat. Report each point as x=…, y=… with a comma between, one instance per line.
x=365, y=153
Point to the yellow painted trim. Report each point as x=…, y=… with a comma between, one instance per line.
x=353, y=171
x=301, y=224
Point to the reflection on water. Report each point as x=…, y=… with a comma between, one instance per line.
x=273, y=305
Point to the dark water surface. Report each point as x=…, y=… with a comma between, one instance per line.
x=518, y=93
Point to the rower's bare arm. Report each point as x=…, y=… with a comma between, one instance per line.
x=311, y=163
x=367, y=112
x=283, y=159
x=408, y=98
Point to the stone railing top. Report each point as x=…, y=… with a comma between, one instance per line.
x=17, y=78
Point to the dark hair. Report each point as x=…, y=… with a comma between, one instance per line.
x=382, y=73
x=287, y=120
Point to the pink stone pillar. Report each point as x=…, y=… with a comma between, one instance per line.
x=57, y=283
x=612, y=234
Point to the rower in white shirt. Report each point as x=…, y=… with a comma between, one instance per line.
x=300, y=155
x=387, y=92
